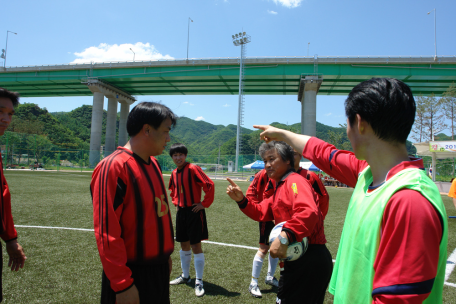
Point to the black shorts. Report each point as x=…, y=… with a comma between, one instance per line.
x=265, y=231
x=1, y=271
x=152, y=282
x=191, y=226
x=306, y=279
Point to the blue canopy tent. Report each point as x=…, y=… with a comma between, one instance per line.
x=314, y=168
x=259, y=164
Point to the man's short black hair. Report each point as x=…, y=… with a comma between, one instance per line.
x=388, y=106
x=13, y=96
x=150, y=113
x=178, y=148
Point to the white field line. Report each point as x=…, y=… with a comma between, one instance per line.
x=450, y=265
x=47, y=227
x=91, y=230
x=449, y=268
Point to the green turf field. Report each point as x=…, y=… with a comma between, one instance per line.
x=63, y=265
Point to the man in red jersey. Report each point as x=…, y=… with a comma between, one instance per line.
x=133, y=225
x=315, y=182
x=294, y=201
x=186, y=183
x=8, y=101
x=393, y=245
x=260, y=189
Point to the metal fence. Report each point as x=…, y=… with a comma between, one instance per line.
x=30, y=151
x=445, y=168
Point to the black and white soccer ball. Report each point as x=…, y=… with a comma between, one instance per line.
x=295, y=250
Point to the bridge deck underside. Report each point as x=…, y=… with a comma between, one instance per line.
x=274, y=79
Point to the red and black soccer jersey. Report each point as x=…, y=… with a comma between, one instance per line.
x=131, y=215
x=260, y=188
x=186, y=185
x=319, y=188
x=293, y=201
x=7, y=230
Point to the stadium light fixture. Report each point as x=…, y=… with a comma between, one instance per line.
x=6, y=48
x=133, y=55
x=435, y=31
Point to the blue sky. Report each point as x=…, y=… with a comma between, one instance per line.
x=58, y=32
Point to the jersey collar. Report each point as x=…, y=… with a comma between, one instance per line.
x=413, y=163
x=183, y=167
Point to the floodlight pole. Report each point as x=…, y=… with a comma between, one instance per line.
x=240, y=39
x=435, y=31
x=188, y=34
x=6, y=48
x=238, y=131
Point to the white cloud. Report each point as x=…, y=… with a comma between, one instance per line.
x=226, y=105
x=328, y=114
x=272, y=12
x=188, y=103
x=199, y=118
x=289, y=3
x=106, y=53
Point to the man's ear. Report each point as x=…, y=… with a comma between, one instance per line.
x=361, y=123
x=146, y=129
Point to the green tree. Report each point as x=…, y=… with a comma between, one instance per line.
x=449, y=107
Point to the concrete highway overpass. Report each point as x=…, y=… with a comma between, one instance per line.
x=304, y=77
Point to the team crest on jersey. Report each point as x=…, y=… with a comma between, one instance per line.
x=295, y=188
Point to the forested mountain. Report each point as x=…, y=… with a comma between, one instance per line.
x=71, y=130
x=80, y=121
x=202, y=136
x=31, y=119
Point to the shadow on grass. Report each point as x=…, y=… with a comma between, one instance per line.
x=269, y=290
x=214, y=290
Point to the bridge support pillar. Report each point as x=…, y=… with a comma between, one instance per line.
x=95, y=131
x=110, y=139
x=100, y=89
x=307, y=95
x=123, y=136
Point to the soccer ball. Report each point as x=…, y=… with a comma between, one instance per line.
x=295, y=250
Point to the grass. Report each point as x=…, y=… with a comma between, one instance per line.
x=63, y=265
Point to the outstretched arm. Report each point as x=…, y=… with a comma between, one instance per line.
x=234, y=191
x=258, y=212
x=297, y=141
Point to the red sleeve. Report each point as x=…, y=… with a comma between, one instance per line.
x=269, y=189
x=9, y=232
x=206, y=183
x=252, y=191
x=173, y=190
x=107, y=186
x=408, y=253
x=340, y=164
x=304, y=212
x=323, y=196
x=260, y=212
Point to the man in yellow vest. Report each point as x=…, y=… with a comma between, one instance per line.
x=393, y=246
